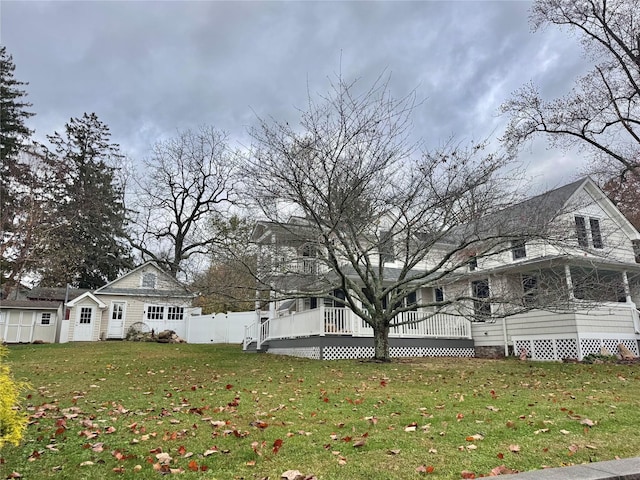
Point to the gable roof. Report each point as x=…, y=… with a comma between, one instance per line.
x=179, y=291
x=89, y=295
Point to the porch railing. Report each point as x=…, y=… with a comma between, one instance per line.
x=325, y=321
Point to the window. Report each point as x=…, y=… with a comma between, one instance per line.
x=339, y=295
x=596, y=236
x=438, y=294
x=529, y=290
x=636, y=249
x=118, y=311
x=387, y=253
x=175, y=313
x=481, y=305
x=473, y=263
x=518, y=249
x=149, y=280
x=581, y=232
x=411, y=300
x=155, y=312
x=45, y=318
x=85, y=315
x=310, y=303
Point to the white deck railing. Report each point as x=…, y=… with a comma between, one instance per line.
x=325, y=321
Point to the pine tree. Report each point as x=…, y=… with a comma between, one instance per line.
x=13, y=111
x=15, y=175
x=87, y=248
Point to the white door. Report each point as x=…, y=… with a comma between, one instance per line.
x=83, y=331
x=116, y=320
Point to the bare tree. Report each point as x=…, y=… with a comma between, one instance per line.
x=364, y=217
x=602, y=112
x=186, y=183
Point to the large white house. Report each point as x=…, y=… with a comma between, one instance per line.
x=591, y=268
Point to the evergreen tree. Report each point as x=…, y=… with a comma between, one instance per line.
x=15, y=175
x=88, y=247
x=13, y=111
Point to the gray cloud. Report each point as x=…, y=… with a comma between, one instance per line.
x=149, y=68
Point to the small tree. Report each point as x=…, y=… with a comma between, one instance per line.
x=13, y=421
x=372, y=206
x=187, y=185
x=602, y=112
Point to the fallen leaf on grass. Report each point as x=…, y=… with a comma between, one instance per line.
x=424, y=469
x=565, y=432
x=359, y=443
x=472, y=438
x=394, y=451
x=587, y=422
x=292, y=475
x=501, y=470
x=467, y=474
x=514, y=448
x=277, y=445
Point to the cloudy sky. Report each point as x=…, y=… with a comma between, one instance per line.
x=149, y=68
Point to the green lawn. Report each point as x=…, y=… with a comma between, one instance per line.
x=136, y=410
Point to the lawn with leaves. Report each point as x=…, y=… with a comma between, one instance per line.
x=140, y=410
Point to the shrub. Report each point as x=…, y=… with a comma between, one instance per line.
x=13, y=421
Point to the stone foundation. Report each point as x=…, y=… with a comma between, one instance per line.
x=494, y=351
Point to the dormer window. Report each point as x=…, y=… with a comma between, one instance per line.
x=518, y=249
x=473, y=263
x=148, y=280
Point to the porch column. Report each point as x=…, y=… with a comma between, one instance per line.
x=625, y=284
x=567, y=274
x=627, y=294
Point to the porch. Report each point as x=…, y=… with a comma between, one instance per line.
x=336, y=332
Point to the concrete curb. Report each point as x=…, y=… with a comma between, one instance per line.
x=625, y=469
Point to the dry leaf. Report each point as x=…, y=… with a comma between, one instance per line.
x=514, y=448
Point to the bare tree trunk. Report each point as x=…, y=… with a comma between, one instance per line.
x=381, y=343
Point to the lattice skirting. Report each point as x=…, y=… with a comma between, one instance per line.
x=560, y=348
x=335, y=353
x=339, y=352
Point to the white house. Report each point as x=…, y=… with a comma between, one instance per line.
x=591, y=263
x=145, y=298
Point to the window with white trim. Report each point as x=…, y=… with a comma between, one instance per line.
x=85, y=315
x=588, y=235
x=518, y=249
x=438, y=294
x=155, y=312
x=45, y=318
x=481, y=304
x=175, y=313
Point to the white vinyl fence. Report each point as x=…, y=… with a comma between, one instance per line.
x=219, y=328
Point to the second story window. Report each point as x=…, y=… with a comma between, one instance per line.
x=636, y=249
x=473, y=264
x=583, y=232
x=518, y=249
